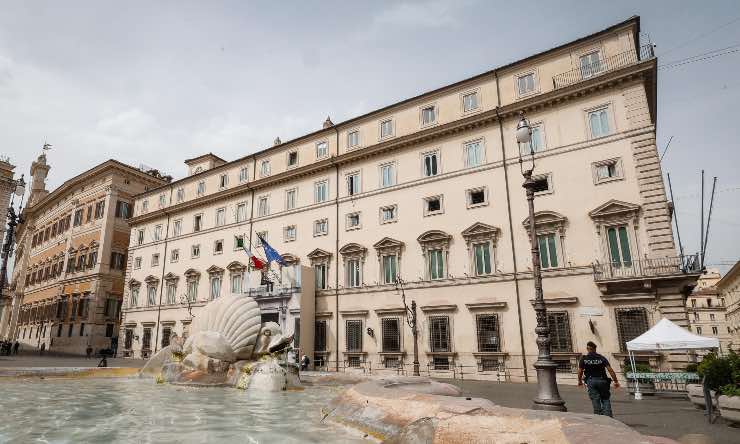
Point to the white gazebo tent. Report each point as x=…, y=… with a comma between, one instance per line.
x=665, y=335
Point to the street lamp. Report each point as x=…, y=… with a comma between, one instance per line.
x=411, y=320
x=13, y=221
x=548, y=396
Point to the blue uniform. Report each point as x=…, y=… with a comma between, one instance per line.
x=594, y=369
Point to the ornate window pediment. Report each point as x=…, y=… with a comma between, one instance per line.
x=547, y=221
x=319, y=256
x=479, y=232
x=192, y=274
x=170, y=277
x=614, y=211
x=388, y=246
x=291, y=259
x=213, y=269
x=235, y=267
x=151, y=280
x=434, y=239
x=353, y=250
x=133, y=283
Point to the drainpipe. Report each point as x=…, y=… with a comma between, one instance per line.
x=336, y=248
x=511, y=229
x=161, y=278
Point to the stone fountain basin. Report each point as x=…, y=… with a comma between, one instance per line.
x=419, y=410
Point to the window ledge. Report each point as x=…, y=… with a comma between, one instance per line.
x=441, y=353
x=401, y=353
x=494, y=354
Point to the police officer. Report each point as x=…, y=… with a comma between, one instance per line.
x=595, y=366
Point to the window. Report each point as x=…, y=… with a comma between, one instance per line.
x=391, y=334
x=353, y=139
x=428, y=115
x=192, y=289
x=536, y=144
x=696, y=316
x=353, y=183
x=140, y=237
x=241, y=212
x=180, y=194
x=387, y=175
x=145, y=206
x=238, y=242
x=146, y=339
x=353, y=221
x=607, y=170
x=470, y=101
x=175, y=255
x=265, y=168
x=243, y=174
x=166, y=333
x=560, y=340
x=714, y=330
x=151, y=298
x=631, y=323
x=436, y=264
x=290, y=233
x=477, y=197
x=322, y=150
x=542, y=183
x=487, y=328
x=598, y=121
x=590, y=64
x=78, y=218
x=155, y=260
x=439, y=334
x=482, y=256
x=711, y=316
x=157, y=233
x=223, y=181
x=123, y=211
x=321, y=227
x=236, y=283
x=162, y=200
x=292, y=159
x=263, y=208
x=354, y=335
x=290, y=199
x=473, y=153
x=548, y=250
x=220, y=217
x=198, y=222
x=128, y=339
x=321, y=191
x=388, y=214
x=201, y=190
x=698, y=330
x=386, y=128
x=525, y=84
x=134, y=298
x=619, y=246
x=118, y=260
x=430, y=164
x=260, y=236
x=390, y=268
x=433, y=205
x=195, y=251
x=319, y=343
x=321, y=277
x=89, y=218
x=218, y=246
x=353, y=273
x=296, y=332
x=177, y=227
x=215, y=290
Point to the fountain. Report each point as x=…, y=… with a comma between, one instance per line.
x=230, y=347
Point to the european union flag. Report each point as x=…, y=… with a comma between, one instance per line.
x=270, y=254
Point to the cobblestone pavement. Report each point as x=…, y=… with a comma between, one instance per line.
x=35, y=360
x=662, y=415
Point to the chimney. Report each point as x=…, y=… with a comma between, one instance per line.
x=327, y=123
x=277, y=141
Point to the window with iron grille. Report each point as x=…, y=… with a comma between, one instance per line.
x=391, y=334
x=488, y=333
x=563, y=366
x=166, y=334
x=391, y=362
x=128, y=339
x=354, y=361
x=489, y=365
x=354, y=335
x=439, y=334
x=440, y=363
x=296, y=332
x=146, y=339
x=560, y=340
x=320, y=336
x=631, y=323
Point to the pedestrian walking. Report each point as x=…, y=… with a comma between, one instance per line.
x=595, y=366
x=89, y=351
x=15, y=347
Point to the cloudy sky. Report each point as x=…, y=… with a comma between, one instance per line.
x=158, y=82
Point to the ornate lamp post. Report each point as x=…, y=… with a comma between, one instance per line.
x=548, y=396
x=411, y=320
x=13, y=220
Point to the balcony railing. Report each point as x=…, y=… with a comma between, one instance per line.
x=643, y=268
x=602, y=66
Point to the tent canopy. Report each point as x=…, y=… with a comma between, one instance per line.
x=665, y=335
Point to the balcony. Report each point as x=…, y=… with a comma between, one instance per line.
x=664, y=267
x=602, y=66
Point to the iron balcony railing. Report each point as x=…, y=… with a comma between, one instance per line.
x=590, y=69
x=642, y=268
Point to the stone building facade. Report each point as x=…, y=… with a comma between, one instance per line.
x=707, y=310
x=429, y=189
x=71, y=257
x=729, y=292
x=7, y=188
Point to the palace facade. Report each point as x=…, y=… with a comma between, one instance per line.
x=429, y=190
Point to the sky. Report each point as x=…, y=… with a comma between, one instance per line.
x=155, y=83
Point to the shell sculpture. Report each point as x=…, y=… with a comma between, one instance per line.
x=236, y=319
